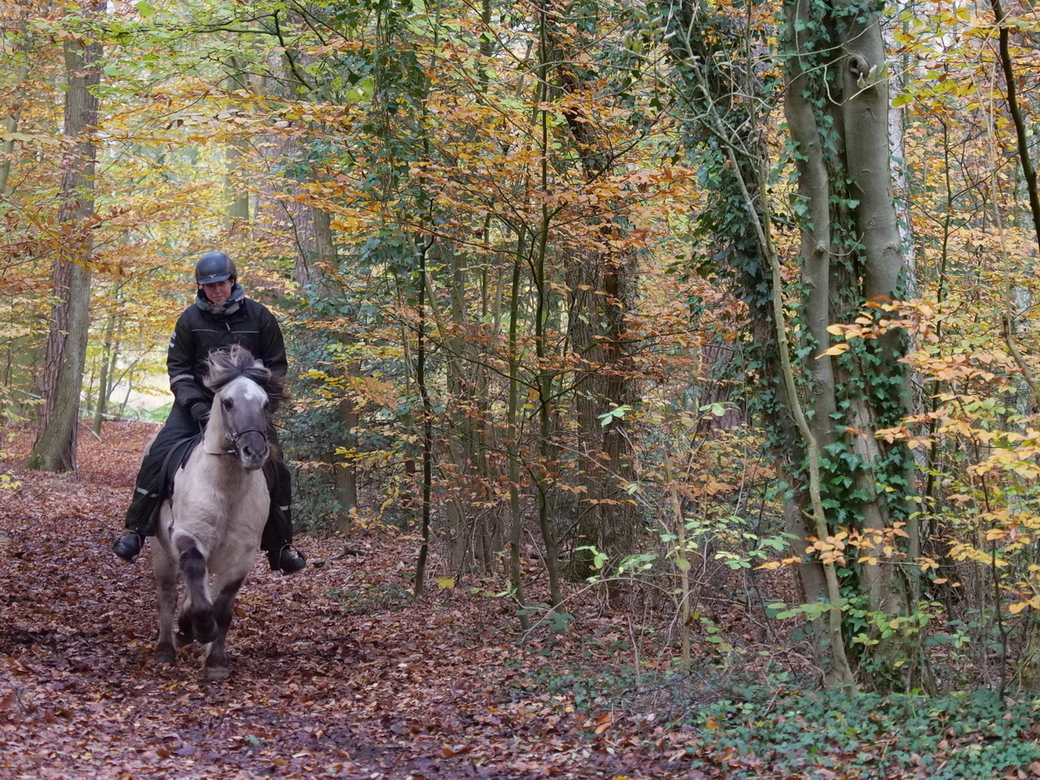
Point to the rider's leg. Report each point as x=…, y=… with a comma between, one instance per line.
x=143, y=512
x=278, y=532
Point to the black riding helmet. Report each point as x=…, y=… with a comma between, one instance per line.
x=214, y=267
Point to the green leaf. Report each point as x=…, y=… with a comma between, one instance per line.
x=617, y=413
x=558, y=621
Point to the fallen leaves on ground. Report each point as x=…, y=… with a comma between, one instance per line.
x=335, y=671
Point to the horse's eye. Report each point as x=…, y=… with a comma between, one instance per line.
x=227, y=403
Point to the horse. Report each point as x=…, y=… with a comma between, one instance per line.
x=210, y=526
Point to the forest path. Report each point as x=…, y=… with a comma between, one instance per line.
x=335, y=671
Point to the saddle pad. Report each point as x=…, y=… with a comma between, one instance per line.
x=175, y=458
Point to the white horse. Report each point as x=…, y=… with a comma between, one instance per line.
x=209, y=530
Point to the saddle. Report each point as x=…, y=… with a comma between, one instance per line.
x=176, y=457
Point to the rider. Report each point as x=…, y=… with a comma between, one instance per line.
x=221, y=316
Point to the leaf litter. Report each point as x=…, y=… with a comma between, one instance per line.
x=335, y=671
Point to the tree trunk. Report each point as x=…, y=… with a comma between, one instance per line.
x=345, y=479
x=10, y=127
x=601, y=289
x=55, y=448
x=107, y=357
x=427, y=422
x=516, y=516
x=852, y=257
x=722, y=92
x=237, y=196
x=543, y=471
x=837, y=472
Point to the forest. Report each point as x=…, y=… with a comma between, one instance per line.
x=715, y=318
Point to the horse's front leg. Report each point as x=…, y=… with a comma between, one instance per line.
x=216, y=666
x=196, y=619
x=164, y=566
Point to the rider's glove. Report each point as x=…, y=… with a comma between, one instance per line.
x=200, y=411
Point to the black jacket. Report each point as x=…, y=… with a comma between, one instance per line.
x=199, y=332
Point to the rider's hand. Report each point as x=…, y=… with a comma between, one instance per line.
x=200, y=411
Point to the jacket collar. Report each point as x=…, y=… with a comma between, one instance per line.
x=230, y=306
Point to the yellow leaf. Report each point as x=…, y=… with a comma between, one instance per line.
x=837, y=349
x=445, y=583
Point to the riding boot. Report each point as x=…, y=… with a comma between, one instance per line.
x=140, y=522
x=277, y=541
x=278, y=533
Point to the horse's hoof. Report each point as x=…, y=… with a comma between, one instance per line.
x=205, y=631
x=216, y=673
x=165, y=654
x=185, y=632
x=198, y=626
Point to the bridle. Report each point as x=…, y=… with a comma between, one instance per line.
x=233, y=440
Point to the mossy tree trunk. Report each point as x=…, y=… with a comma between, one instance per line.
x=839, y=473
x=852, y=258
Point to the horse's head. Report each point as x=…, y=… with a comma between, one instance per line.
x=243, y=404
x=241, y=407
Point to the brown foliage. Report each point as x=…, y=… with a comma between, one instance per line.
x=337, y=672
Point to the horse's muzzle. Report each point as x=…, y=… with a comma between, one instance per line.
x=252, y=449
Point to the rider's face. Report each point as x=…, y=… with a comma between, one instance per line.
x=218, y=292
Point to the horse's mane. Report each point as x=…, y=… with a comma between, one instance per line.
x=226, y=365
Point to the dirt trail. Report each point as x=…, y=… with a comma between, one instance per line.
x=335, y=671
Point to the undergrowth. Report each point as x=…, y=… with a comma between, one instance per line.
x=746, y=729
x=959, y=736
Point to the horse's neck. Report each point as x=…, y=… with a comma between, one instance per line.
x=213, y=442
